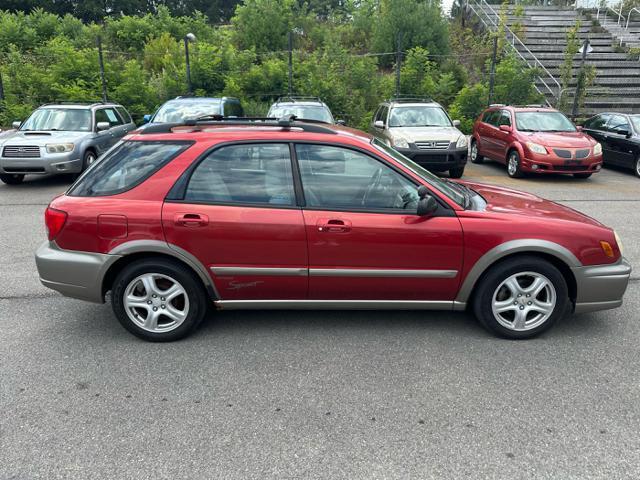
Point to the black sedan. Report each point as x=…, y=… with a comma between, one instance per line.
x=619, y=134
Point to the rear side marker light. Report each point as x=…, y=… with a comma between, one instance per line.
x=607, y=249
x=54, y=220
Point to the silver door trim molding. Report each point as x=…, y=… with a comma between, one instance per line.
x=257, y=271
x=337, y=304
x=380, y=272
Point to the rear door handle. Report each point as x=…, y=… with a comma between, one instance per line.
x=333, y=225
x=190, y=220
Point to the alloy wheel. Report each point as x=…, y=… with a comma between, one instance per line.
x=156, y=302
x=474, y=151
x=512, y=167
x=524, y=301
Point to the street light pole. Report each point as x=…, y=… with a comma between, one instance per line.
x=586, y=48
x=189, y=37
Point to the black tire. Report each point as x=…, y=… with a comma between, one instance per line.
x=490, y=285
x=12, y=178
x=582, y=175
x=514, y=171
x=88, y=158
x=474, y=153
x=456, y=172
x=197, y=297
x=636, y=166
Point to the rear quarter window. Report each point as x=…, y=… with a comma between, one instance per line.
x=126, y=166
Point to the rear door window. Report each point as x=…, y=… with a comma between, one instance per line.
x=126, y=166
x=124, y=114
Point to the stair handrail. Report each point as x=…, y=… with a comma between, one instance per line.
x=609, y=9
x=514, y=39
x=626, y=26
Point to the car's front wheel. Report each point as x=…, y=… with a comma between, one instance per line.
x=521, y=297
x=514, y=167
x=456, y=172
x=475, y=154
x=88, y=159
x=158, y=300
x=636, y=167
x=12, y=178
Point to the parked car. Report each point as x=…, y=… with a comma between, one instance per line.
x=180, y=109
x=619, y=135
x=63, y=137
x=534, y=139
x=302, y=215
x=421, y=130
x=304, y=108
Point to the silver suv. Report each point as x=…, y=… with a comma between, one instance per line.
x=421, y=130
x=61, y=138
x=304, y=108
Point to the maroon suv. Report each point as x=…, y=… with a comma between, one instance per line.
x=534, y=139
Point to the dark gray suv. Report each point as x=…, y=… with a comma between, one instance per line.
x=61, y=138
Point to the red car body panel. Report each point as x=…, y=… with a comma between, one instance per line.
x=299, y=238
x=495, y=143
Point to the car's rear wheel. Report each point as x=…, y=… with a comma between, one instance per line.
x=581, y=175
x=521, y=297
x=12, y=178
x=514, y=167
x=456, y=172
x=158, y=300
x=475, y=154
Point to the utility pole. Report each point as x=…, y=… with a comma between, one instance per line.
x=586, y=48
x=189, y=37
x=1, y=88
x=290, y=63
x=101, y=62
x=398, y=61
x=492, y=74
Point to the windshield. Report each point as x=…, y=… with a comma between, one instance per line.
x=176, y=112
x=436, y=182
x=65, y=119
x=305, y=112
x=543, y=122
x=635, y=120
x=418, y=117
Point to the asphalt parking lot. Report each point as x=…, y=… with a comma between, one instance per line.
x=326, y=395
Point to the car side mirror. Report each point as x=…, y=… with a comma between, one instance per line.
x=505, y=128
x=146, y=119
x=379, y=124
x=626, y=133
x=456, y=123
x=427, y=205
x=16, y=124
x=101, y=126
x=341, y=122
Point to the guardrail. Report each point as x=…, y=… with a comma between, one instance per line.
x=491, y=21
x=629, y=16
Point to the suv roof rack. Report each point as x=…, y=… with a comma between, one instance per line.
x=497, y=105
x=79, y=102
x=410, y=99
x=285, y=123
x=299, y=98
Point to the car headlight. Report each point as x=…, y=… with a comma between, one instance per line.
x=462, y=141
x=597, y=149
x=536, y=148
x=59, y=147
x=400, y=142
x=618, y=241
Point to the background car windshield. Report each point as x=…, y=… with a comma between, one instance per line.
x=635, y=120
x=418, y=117
x=543, y=122
x=429, y=177
x=67, y=119
x=174, y=112
x=307, y=112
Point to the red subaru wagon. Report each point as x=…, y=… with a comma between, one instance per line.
x=293, y=214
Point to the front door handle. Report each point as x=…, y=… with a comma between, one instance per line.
x=333, y=225
x=190, y=220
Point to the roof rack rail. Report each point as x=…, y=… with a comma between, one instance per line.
x=410, y=98
x=298, y=98
x=497, y=105
x=285, y=123
x=75, y=102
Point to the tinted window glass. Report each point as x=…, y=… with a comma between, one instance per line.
x=68, y=119
x=124, y=114
x=618, y=124
x=232, y=109
x=598, y=122
x=384, y=114
x=504, y=118
x=108, y=115
x=378, y=115
x=339, y=178
x=244, y=174
x=488, y=116
x=126, y=166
